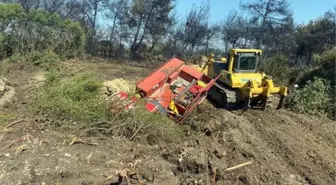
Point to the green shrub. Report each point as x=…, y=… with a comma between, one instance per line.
x=277, y=67
x=324, y=67
x=313, y=98
x=79, y=99
x=74, y=99
x=37, y=31
x=47, y=59
x=40, y=58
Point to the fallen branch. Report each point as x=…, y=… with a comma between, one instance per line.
x=23, y=138
x=238, y=166
x=75, y=140
x=88, y=158
x=104, y=129
x=213, y=179
x=15, y=122
x=135, y=133
x=20, y=149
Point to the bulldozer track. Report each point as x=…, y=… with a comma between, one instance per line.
x=231, y=95
x=223, y=95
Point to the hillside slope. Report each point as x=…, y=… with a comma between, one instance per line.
x=284, y=147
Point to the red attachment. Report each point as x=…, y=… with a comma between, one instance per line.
x=158, y=87
x=158, y=78
x=174, y=82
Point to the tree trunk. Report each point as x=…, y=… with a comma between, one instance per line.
x=135, y=49
x=135, y=40
x=309, y=57
x=153, y=44
x=226, y=45
x=146, y=25
x=94, y=27
x=207, y=45
x=112, y=34
x=113, y=27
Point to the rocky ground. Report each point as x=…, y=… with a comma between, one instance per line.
x=272, y=147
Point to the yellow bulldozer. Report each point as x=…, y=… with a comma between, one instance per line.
x=240, y=84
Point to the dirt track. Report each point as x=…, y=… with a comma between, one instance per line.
x=284, y=147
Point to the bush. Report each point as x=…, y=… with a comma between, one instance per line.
x=40, y=58
x=277, y=67
x=75, y=99
x=79, y=99
x=314, y=98
x=324, y=67
x=37, y=31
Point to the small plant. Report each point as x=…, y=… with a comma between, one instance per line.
x=314, y=98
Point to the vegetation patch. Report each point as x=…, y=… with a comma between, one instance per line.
x=36, y=31
x=277, y=67
x=74, y=99
x=4, y=117
x=79, y=99
x=314, y=98
x=140, y=125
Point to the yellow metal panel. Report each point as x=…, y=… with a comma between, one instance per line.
x=231, y=59
x=240, y=80
x=238, y=50
x=173, y=107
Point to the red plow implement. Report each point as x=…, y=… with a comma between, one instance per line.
x=174, y=89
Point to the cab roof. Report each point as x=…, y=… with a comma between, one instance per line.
x=239, y=50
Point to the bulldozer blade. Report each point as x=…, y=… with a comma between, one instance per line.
x=281, y=103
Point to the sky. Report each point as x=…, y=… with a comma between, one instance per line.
x=303, y=10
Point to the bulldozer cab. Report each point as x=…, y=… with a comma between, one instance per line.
x=243, y=60
x=237, y=69
x=240, y=68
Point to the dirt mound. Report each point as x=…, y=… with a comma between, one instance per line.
x=6, y=92
x=283, y=147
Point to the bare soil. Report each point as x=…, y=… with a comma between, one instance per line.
x=282, y=147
